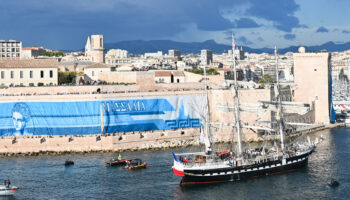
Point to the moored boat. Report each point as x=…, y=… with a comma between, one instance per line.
x=135, y=164
x=117, y=162
x=7, y=189
x=68, y=163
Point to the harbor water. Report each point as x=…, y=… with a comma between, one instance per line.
x=46, y=177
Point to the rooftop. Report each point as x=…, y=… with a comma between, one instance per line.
x=99, y=65
x=29, y=63
x=158, y=73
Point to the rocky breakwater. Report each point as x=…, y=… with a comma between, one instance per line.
x=116, y=142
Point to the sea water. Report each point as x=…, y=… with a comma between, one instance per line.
x=46, y=177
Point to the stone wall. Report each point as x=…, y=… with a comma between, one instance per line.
x=138, y=140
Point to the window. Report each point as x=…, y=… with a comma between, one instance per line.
x=2, y=74
x=12, y=74
x=93, y=73
x=101, y=42
x=31, y=74
x=41, y=74
x=21, y=74
x=51, y=73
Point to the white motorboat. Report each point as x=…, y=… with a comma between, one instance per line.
x=7, y=189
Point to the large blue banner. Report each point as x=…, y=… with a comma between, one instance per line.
x=101, y=116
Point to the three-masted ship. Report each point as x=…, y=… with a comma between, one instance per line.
x=213, y=167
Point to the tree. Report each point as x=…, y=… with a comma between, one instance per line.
x=54, y=54
x=66, y=77
x=267, y=78
x=212, y=71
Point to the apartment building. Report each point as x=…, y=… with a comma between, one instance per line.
x=10, y=50
x=206, y=56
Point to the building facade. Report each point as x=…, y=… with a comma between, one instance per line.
x=173, y=53
x=167, y=76
x=10, y=50
x=206, y=56
x=92, y=72
x=28, y=72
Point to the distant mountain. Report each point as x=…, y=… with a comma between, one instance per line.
x=141, y=46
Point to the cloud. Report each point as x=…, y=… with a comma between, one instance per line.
x=66, y=23
x=289, y=36
x=246, y=23
x=260, y=39
x=346, y=31
x=243, y=40
x=280, y=12
x=322, y=30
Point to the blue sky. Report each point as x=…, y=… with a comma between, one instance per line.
x=65, y=24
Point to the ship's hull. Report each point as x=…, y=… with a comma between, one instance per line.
x=241, y=173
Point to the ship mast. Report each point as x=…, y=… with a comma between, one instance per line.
x=208, y=148
x=279, y=117
x=237, y=116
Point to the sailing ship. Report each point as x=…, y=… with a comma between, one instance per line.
x=212, y=167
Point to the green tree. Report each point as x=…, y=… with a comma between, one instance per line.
x=66, y=77
x=212, y=71
x=261, y=81
x=267, y=78
x=54, y=54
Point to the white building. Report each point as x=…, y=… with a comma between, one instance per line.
x=158, y=54
x=32, y=52
x=10, y=50
x=167, y=76
x=91, y=72
x=30, y=72
x=117, y=53
x=117, y=56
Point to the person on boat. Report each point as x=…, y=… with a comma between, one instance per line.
x=120, y=157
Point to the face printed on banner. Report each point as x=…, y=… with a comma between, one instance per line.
x=18, y=121
x=20, y=117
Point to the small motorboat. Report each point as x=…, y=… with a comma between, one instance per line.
x=333, y=183
x=68, y=163
x=6, y=189
x=135, y=164
x=117, y=162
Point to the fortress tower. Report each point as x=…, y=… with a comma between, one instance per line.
x=312, y=79
x=94, y=48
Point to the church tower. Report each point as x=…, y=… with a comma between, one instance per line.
x=94, y=48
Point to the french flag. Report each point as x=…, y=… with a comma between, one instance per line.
x=233, y=43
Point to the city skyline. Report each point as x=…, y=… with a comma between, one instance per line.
x=66, y=24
